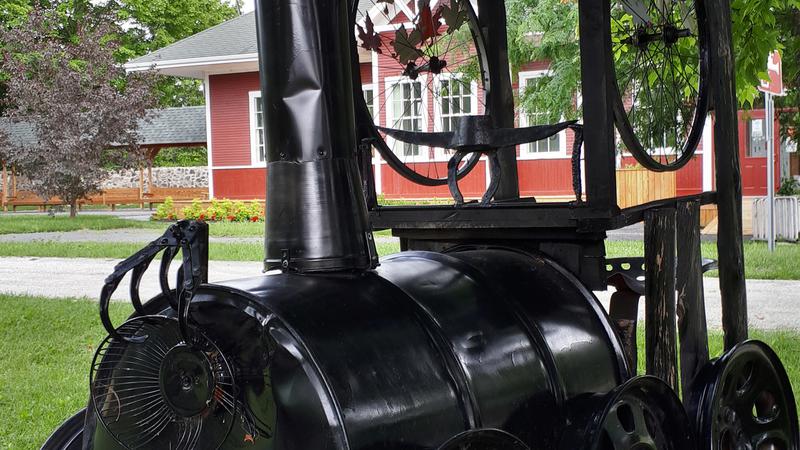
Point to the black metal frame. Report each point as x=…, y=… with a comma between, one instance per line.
x=573, y=233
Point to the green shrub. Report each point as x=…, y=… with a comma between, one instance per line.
x=252, y=212
x=166, y=210
x=182, y=157
x=224, y=210
x=789, y=186
x=195, y=211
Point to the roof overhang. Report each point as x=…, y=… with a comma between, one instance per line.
x=200, y=67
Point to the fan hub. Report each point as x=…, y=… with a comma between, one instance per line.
x=186, y=380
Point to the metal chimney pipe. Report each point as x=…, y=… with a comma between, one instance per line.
x=316, y=212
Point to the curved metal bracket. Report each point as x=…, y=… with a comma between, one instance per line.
x=191, y=238
x=476, y=133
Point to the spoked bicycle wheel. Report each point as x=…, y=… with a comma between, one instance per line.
x=422, y=70
x=661, y=70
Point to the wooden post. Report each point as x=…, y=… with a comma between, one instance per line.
x=691, y=303
x=141, y=187
x=500, y=101
x=729, y=178
x=659, y=253
x=13, y=181
x=150, y=176
x=598, y=117
x=5, y=188
x=624, y=315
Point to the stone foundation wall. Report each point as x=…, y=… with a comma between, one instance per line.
x=169, y=177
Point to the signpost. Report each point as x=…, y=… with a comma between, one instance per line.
x=771, y=88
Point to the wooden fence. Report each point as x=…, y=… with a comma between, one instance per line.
x=636, y=186
x=109, y=197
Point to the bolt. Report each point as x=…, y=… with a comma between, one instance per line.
x=729, y=415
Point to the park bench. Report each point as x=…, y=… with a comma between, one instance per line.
x=112, y=197
x=29, y=198
x=159, y=195
x=118, y=196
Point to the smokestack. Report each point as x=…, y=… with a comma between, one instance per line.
x=316, y=213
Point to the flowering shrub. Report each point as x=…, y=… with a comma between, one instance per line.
x=218, y=211
x=194, y=211
x=166, y=210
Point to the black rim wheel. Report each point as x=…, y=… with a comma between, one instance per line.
x=438, y=57
x=661, y=69
x=642, y=414
x=744, y=401
x=484, y=439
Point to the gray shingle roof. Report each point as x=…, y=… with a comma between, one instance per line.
x=20, y=134
x=170, y=126
x=234, y=37
x=174, y=126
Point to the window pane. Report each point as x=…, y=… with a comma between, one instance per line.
x=757, y=138
x=369, y=99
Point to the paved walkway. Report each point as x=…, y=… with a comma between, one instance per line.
x=773, y=304
x=128, y=235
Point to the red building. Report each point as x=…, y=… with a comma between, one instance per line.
x=225, y=58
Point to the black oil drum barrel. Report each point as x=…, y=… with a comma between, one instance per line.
x=428, y=346
x=401, y=358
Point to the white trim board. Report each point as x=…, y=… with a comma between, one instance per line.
x=210, y=153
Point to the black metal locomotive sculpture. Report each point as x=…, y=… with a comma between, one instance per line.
x=484, y=333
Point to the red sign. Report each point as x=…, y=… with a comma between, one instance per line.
x=774, y=85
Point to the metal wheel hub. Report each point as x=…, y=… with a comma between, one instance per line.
x=627, y=425
x=642, y=414
x=484, y=439
x=744, y=401
x=669, y=35
x=186, y=379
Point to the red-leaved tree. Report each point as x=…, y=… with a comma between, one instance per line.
x=83, y=105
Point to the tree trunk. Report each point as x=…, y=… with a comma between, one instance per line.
x=73, y=209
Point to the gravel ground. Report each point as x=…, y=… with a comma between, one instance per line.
x=773, y=304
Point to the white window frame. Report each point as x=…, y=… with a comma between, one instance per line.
x=389, y=83
x=525, y=152
x=439, y=153
x=255, y=157
x=375, y=103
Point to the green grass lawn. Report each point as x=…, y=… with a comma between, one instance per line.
x=39, y=223
x=235, y=251
x=42, y=223
x=760, y=264
x=47, y=346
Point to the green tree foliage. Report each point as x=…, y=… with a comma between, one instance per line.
x=83, y=105
x=759, y=27
x=182, y=157
x=13, y=11
x=789, y=114
x=153, y=24
x=548, y=30
x=146, y=26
